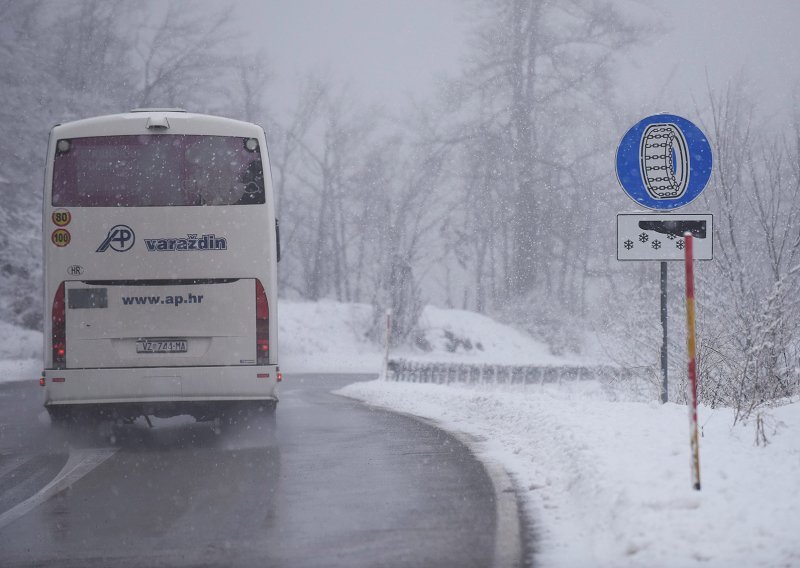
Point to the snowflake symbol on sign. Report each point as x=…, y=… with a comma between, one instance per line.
x=656, y=244
x=628, y=244
x=671, y=237
x=680, y=244
x=643, y=238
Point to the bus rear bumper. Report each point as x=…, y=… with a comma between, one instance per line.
x=160, y=386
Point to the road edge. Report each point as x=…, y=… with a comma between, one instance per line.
x=508, y=547
x=509, y=551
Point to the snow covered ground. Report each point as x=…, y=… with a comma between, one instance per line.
x=330, y=335
x=603, y=477
x=608, y=483
x=20, y=353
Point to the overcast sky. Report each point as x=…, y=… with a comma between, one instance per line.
x=389, y=50
x=721, y=39
x=392, y=49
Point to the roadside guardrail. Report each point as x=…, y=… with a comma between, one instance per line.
x=446, y=373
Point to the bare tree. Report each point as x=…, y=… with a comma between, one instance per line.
x=533, y=62
x=254, y=78
x=414, y=209
x=183, y=57
x=30, y=100
x=318, y=163
x=752, y=334
x=286, y=143
x=90, y=54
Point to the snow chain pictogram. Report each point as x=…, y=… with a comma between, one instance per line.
x=664, y=161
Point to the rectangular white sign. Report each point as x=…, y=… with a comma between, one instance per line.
x=648, y=236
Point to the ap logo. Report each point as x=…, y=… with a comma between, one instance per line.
x=120, y=238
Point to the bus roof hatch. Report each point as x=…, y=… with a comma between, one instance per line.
x=158, y=122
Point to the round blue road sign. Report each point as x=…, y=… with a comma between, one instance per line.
x=664, y=162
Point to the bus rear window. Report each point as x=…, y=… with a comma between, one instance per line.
x=157, y=170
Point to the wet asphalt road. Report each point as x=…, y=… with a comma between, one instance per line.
x=334, y=483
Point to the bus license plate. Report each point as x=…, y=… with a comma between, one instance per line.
x=161, y=346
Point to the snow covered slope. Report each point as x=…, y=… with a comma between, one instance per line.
x=326, y=337
x=332, y=337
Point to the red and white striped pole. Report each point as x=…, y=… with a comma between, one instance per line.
x=690, y=340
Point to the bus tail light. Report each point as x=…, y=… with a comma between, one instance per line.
x=262, y=325
x=59, y=330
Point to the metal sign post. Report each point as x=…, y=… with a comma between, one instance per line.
x=664, y=368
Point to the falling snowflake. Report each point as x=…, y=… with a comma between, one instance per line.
x=656, y=244
x=628, y=244
x=680, y=244
x=643, y=238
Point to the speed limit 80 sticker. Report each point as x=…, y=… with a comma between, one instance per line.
x=61, y=237
x=61, y=217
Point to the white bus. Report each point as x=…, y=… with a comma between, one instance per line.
x=160, y=261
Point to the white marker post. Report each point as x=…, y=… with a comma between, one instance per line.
x=386, y=344
x=690, y=340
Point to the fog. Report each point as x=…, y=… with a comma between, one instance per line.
x=457, y=154
x=390, y=50
x=393, y=50
x=444, y=176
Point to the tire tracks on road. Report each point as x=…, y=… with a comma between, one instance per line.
x=79, y=463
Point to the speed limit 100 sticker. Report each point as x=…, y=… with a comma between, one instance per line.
x=61, y=217
x=61, y=237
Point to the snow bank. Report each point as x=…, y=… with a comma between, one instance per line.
x=332, y=337
x=467, y=337
x=608, y=483
x=20, y=353
x=326, y=337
